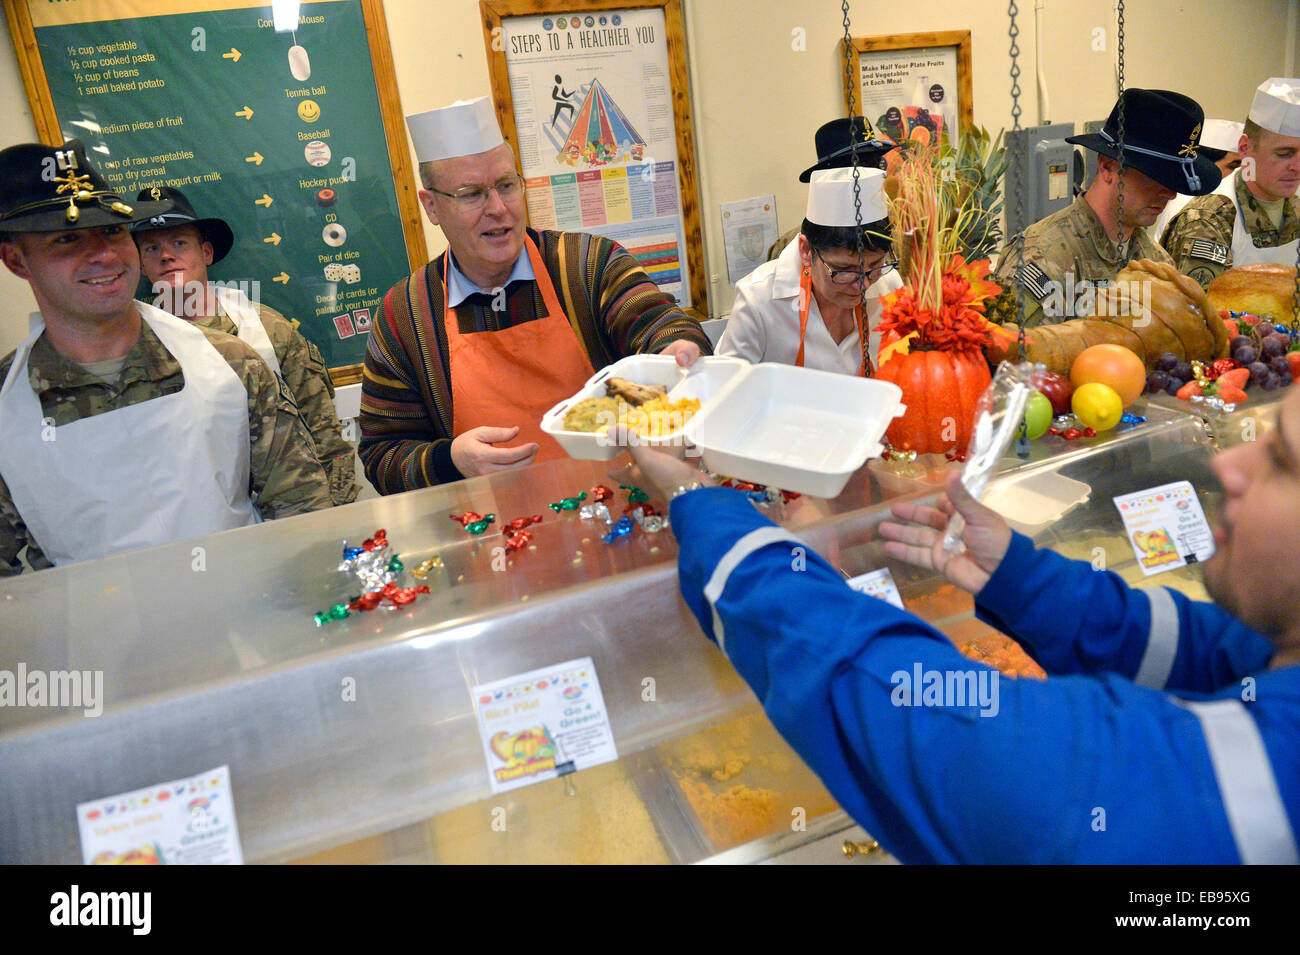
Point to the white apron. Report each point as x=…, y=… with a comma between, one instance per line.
x=162, y=470
x=1243, y=249
x=248, y=324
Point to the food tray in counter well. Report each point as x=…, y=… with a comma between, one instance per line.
x=703, y=380
x=797, y=429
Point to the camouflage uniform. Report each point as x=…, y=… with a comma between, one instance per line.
x=285, y=478
x=304, y=371
x=777, y=247
x=1069, y=242
x=1200, y=237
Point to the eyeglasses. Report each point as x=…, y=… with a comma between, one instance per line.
x=849, y=276
x=475, y=197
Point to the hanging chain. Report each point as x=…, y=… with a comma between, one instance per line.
x=1119, y=76
x=864, y=338
x=1017, y=157
x=1295, y=302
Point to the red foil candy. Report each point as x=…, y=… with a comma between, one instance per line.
x=518, y=540
x=601, y=493
x=519, y=523
x=1090, y=432
x=1220, y=366
x=1070, y=434
x=469, y=517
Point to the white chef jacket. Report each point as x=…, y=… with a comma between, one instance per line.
x=764, y=320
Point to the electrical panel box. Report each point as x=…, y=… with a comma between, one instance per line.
x=1041, y=174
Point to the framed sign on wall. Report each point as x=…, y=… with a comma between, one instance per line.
x=294, y=137
x=593, y=96
x=912, y=85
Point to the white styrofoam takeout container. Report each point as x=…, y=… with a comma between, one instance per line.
x=702, y=381
x=793, y=428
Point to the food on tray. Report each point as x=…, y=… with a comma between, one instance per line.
x=1264, y=289
x=640, y=408
x=594, y=415
x=633, y=393
x=1150, y=309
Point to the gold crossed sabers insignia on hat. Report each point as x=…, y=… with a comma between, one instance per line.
x=72, y=181
x=155, y=193
x=1192, y=141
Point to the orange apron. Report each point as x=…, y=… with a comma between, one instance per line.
x=515, y=375
x=805, y=302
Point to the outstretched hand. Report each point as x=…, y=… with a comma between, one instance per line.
x=920, y=542
x=474, y=452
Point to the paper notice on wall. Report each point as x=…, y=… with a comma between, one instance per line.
x=543, y=724
x=188, y=821
x=596, y=138
x=748, y=231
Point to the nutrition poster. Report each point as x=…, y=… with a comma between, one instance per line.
x=543, y=724
x=591, y=99
x=278, y=133
x=1166, y=527
x=187, y=821
x=913, y=86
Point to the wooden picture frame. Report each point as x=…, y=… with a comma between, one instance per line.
x=495, y=11
x=39, y=95
x=884, y=54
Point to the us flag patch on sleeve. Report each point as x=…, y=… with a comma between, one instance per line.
x=1215, y=252
x=1033, y=279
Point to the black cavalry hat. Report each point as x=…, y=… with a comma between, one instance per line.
x=56, y=189
x=1162, y=131
x=180, y=212
x=835, y=146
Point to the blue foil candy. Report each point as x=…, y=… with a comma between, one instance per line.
x=622, y=528
x=1129, y=418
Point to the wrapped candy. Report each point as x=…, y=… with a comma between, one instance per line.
x=634, y=494
x=519, y=540
x=377, y=568
x=590, y=511
x=623, y=527
x=601, y=493
x=519, y=523
x=568, y=503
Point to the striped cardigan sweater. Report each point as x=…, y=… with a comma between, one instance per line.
x=614, y=307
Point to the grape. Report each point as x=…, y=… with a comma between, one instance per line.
x=1279, y=365
x=1272, y=382
x=1274, y=345
x=1245, y=354
x=1240, y=341
x=1157, y=381
x=1183, y=370
x=1263, y=329
x=1167, y=362
x=1258, y=371
x=1174, y=385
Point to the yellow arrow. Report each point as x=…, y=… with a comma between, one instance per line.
x=232, y=55
x=282, y=278
x=246, y=112
x=273, y=238
x=264, y=201
x=255, y=158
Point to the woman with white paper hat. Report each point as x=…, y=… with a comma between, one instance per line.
x=1254, y=215
x=810, y=306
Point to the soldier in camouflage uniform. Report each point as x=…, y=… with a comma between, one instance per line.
x=176, y=249
x=834, y=145
x=1254, y=215
x=1075, y=250
x=197, y=434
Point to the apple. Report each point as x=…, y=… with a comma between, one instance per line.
x=1038, y=415
x=1058, y=390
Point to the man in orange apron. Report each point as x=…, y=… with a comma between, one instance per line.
x=473, y=348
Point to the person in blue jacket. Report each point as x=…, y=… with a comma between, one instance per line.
x=1168, y=730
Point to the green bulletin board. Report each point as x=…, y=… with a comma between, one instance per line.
x=292, y=153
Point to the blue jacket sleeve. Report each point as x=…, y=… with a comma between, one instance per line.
x=1074, y=769
x=1074, y=619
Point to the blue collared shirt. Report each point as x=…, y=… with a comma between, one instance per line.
x=459, y=287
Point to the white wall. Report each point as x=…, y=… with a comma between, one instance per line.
x=759, y=101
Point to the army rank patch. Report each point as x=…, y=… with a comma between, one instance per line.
x=1033, y=279
x=1215, y=252
x=1202, y=275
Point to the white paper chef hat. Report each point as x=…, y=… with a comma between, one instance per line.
x=1277, y=105
x=464, y=128
x=830, y=197
x=1221, y=134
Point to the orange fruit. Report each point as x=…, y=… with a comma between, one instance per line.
x=1111, y=365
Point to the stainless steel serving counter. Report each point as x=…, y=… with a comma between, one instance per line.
x=211, y=656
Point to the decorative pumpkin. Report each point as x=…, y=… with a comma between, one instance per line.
x=940, y=389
